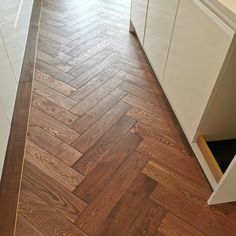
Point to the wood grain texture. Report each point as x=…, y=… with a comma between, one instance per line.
x=106, y=168
x=111, y=194
x=53, y=126
x=43, y=217
x=53, y=193
x=104, y=153
x=12, y=169
x=172, y=225
x=87, y=163
x=52, y=166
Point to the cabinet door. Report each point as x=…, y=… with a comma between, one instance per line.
x=138, y=17
x=5, y=129
x=8, y=84
x=14, y=26
x=159, y=27
x=198, y=49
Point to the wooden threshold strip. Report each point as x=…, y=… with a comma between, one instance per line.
x=13, y=165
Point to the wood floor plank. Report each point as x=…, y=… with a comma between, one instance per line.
x=135, y=70
x=106, y=168
x=53, y=193
x=54, y=83
x=53, y=145
x=148, y=86
x=134, y=214
x=85, y=122
x=91, y=100
x=85, y=55
x=163, y=123
x=88, y=75
x=53, y=110
x=53, y=95
x=177, y=182
x=89, y=63
x=53, y=126
x=54, y=72
x=80, y=48
x=172, y=225
x=187, y=165
x=150, y=108
x=198, y=215
x=105, y=201
x=93, y=84
x=24, y=227
x=89, y=161
x=43, y=217
x=52, y=166
x=139, y=92
x=61, y=65
x=92, y=135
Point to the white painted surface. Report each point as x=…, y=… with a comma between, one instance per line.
x=229, y=4
x=5, y=129
x=225, y=190
x=138, y=17
x=198, y=49
x=14, y=25
x=159, y=27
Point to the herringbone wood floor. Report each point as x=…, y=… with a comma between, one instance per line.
x=104, y=154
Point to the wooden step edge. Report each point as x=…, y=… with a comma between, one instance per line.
x=14, y=158
x=210, y=159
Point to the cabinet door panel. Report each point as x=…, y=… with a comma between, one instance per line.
x=138, y=17
x=5, y=129
x=8, y=84
x=198, y=49
x=14, y=26
x=159, y=26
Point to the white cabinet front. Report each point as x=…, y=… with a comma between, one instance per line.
x=159, y=27
x=138, y=17
x=199, y=46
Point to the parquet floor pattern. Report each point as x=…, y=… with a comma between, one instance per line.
x=104, y=155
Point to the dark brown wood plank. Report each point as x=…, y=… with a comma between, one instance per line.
x=53, y=193
x=105, y=201
x=53, y=145
x=53, y=71
x=24, y=227
x=53, y=110
x=12, y=169
x=43, y=217
x=197, y=214
x=106, y=168
x=88, y=162
x=134, y=214
x=52, y=166
x=85, y=122
x=172, y=225
x=92, y=135
x=53, y=126
x=53, y=95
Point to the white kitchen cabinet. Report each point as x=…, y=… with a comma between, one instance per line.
x=191, y=45
x=8, y=84
x=159, y=26
x=199, y=47
x=5, y=129
x=138, y=17
x=14, y=25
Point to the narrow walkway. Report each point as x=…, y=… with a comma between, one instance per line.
x=104, y=154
